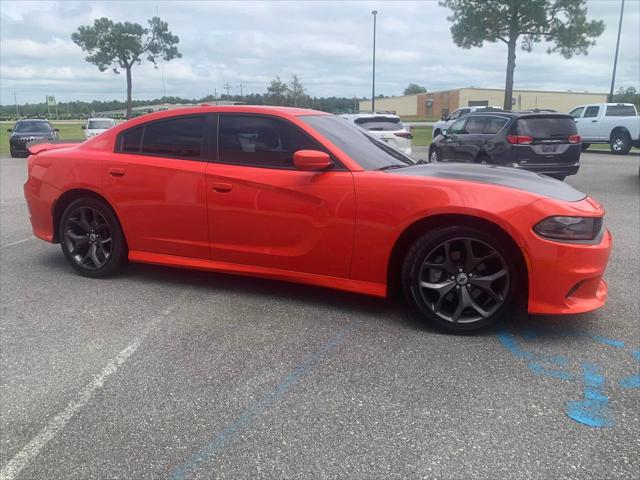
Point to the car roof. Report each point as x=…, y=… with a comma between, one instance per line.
x=506, y=113
x=355, y=116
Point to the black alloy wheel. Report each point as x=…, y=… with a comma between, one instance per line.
x=91, y=238
x=460, y=279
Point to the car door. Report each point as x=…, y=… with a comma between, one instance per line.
x=588, y=123
x=450, y=142
x=156, y=182
x=263, y=212
x=470, y=140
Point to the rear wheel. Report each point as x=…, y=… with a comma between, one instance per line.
x=585, y=146
x=558, y=177
x=620, y=143
x=460, y=279
x=91, y=238
x=483, y=158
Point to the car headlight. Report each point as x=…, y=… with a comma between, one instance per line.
x=569, y=228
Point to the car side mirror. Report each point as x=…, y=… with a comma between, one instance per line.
x=84, y=127
x=311, y=160
x=56, y=129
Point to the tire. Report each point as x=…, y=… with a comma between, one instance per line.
x=84, y=228
x=585, y=146
x=483, y=158
x=434, y=155
x=620, y=143
x=460, y=296
x=558, y=177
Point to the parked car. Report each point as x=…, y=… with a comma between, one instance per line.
x=385, y=126
x=446, y=122
x=95, y=126
x=29, y=130
x=541, y=142
x=304, y=196
x=617, y=124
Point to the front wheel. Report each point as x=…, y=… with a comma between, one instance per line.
x=460, y=279
x=91, y=238
x=434, y=155
x=620, y=143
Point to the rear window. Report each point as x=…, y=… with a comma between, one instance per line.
x=546, y=127
x=100, y=124
x=620, y=111
x=177, y=137
x=381, y=124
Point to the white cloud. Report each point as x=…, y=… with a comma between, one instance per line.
x=328, y=44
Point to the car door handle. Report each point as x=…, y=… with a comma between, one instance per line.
x=594, y=121
x=222, y=187
x=117, y=172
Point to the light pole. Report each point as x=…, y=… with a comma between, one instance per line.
x=373, y=83
x=615, y=59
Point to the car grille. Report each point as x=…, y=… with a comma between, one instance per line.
x=27, y=139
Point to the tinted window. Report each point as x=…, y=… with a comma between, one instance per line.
x=591, y=112
x=474, y=125
x=177, y=137
x=368, y=151
x=261, y=141
x=494, y=124
x=130, y=140
x=35, y=127
x=380, y=124
x=546, y=127
x=620, y=111
x=576, y=112
x=457, y=127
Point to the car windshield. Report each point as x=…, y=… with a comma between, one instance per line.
x=32, y=127
x=100, y=124
x=368, y=151
x=546, y=127
x=380, y=124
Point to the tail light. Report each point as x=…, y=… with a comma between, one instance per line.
x=519, y=139
x=575, y=138
x=403, y=135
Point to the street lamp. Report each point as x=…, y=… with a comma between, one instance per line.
x=615, y=59
x=373, y=83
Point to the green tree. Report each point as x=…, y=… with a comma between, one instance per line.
x=277, y=92
x=627, y=95
x=120, y=46
x=563, y=23
x=297, y=92
x=413, y=88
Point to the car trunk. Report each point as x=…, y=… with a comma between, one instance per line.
x=549, y=139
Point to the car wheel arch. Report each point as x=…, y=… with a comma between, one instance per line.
x=412, y=232
x=617, y=130
x=65, y=200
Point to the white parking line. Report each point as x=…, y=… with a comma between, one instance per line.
x=17, y=243
x=57, y=423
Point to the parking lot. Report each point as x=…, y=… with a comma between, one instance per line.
x=167, y=373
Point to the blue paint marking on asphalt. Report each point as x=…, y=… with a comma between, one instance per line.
x=608, y=341
x=538, y=369
x=594, y=409
x=244, y=420
x=509, y=340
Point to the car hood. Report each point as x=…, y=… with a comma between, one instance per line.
x=495, y=175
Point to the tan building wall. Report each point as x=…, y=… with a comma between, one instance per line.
x=405, y=105
x=528, y=99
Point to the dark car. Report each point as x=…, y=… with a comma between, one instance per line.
x=26, y=131
x=541, y=142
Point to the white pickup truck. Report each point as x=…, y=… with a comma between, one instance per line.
x=617, y=124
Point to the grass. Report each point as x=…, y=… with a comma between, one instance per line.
x=68, y=131
x=422, y=136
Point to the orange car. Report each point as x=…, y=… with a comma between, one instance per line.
x=304, y=196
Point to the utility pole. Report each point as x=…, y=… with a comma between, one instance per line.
x=373, y=82
x=226, y=86
x=241, y=96
x=15, y=100
x=615, y=59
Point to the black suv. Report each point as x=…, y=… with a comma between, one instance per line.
x=25, y=131
x=541, y=142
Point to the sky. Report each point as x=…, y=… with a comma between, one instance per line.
x=327, y=44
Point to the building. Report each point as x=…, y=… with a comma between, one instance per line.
x=436, y=104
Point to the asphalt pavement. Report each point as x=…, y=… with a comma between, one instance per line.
x=169, y=373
